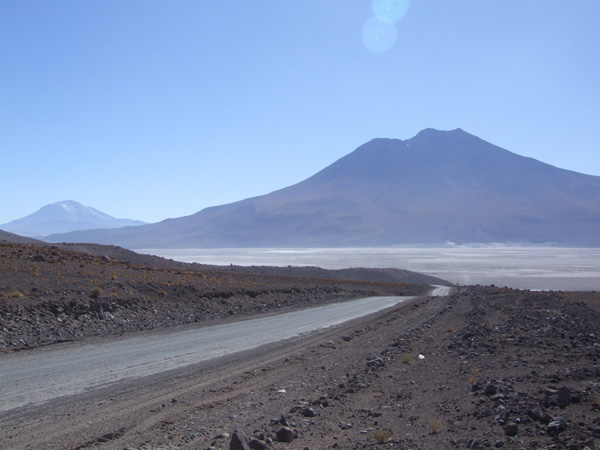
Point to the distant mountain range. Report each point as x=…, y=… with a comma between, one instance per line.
x=435, y=188
x=63, y=217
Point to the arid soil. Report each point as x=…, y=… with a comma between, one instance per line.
x=58, y=293
x=485, y=367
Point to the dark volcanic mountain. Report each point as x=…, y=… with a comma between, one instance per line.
x=438, y=186
x=62, y=217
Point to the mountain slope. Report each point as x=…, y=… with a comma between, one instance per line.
x=62, y=217
x=6, y=237
x=438, y=186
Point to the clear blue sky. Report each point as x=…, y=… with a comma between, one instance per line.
x=151, y=109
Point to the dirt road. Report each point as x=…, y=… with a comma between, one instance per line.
x=55, y=395
x=39, y=375
x=480, y=368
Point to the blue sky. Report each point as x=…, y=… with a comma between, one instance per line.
x=152, y=109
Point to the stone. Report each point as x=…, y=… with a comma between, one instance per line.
x=238, y=441
x=490, y=389
x=563, y=396
x=557, y=426
x=376, y=362
x=285, y=434
x=473, y=443
x=512, y=429
x=222, y=436
x=534, y=415
x=308, y=412
x=255, y=444
x=259, y=434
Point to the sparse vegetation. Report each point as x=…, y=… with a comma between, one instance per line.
x=473, y=379
x=96, y=292
x=9, y=295
x=435, y=425
x=382, y=435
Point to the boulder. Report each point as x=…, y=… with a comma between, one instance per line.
x=238, y=441
x=285, y=434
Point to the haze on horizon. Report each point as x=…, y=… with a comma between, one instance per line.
x=148, y=109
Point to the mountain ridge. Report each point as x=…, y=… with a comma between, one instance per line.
x=64, y=216
x=435, y=187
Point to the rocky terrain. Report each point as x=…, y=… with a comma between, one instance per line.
x=485, y=367
x=57, y=293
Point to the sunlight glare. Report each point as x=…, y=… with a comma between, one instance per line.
x=378, y=36
x=390, y=11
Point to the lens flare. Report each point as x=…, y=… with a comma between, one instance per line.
x=378, y=37
x=389, y=11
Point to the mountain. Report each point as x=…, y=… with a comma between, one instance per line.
x=436, y=187
x=63, y=217
x=11, y=238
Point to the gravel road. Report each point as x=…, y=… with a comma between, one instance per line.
x=41, y=374
x=483, y=367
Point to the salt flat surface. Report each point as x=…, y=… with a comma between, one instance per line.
x=548, y=268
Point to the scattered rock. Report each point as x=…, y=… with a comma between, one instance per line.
x=557, y=426
x=563, y=397
x=238, y=441
x=490, y=389
x=255, y=444
x=345, y=426
x=497, y=380
x=285, y=434
x=473, y=443
x=308, y=412
x=511, y=429
x=376, y=362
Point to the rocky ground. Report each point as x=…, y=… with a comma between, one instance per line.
x=58, y=293
x=485, y=367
